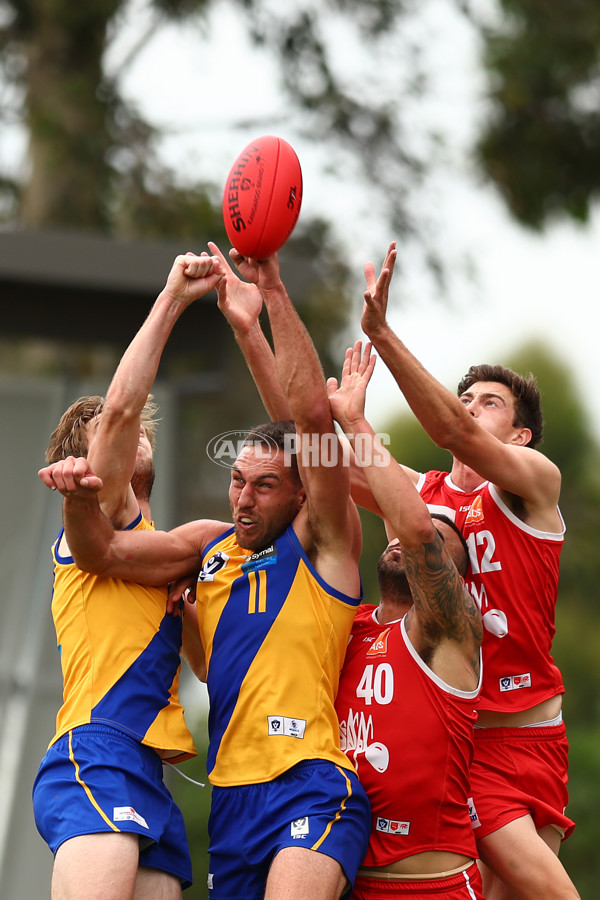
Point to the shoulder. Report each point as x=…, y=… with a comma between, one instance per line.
x=201, y=532
x=364, y=614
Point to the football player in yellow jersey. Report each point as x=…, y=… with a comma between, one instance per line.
x=99, y=797
x=278, y=590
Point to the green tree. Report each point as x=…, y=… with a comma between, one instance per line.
x=91, y=158
x=541, y=142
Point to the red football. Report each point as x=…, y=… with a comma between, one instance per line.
x=262, y=197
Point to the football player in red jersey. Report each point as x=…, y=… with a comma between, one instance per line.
x=503, y=494
x=409, y=685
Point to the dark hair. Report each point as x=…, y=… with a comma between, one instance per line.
x=275, y=433
x=528, y=401
x=271, y=432
x=69, y=438
x=461, y=564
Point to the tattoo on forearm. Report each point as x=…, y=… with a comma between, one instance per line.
x=445, y=607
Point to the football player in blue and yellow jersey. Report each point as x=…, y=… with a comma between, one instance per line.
x=277, y=592
x=99, y=797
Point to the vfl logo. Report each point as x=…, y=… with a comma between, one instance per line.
x=212, y=566
x=299, y=828
x=392, y=826
x=514, y=682
x=284, y=725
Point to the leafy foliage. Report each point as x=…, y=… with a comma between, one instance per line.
x=93, y=159
x=579, y=854
x=541, y=143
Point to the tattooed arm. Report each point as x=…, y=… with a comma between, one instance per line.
x=443, y=622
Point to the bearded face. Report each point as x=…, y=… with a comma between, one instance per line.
x=390, y=571
x=143, y=478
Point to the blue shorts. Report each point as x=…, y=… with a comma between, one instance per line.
x=316, y=805
x=96, y=779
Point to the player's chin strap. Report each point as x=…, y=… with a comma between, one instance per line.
x=183, y=775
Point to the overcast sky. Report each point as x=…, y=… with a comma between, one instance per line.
x=527, y=286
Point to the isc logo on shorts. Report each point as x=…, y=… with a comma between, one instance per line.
x=391, y=826
x=514, y=682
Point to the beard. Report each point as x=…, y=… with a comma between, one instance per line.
x=392, y=577
x=143, y=479
x=269, y=527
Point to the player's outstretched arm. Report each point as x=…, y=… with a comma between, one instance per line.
x=241, y=303
x=148, y=557
x=510, y=465
x=328, y=522
x=114, y=444
x=444, y=619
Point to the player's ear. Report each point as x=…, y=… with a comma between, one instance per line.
x=522, y=436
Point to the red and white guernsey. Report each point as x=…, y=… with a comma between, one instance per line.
x=513, y=577
x=410, y=736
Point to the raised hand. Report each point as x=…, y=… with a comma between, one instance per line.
x=348, y=400
x=192, y=276
x=239, y=301
x=376, y=294
x=263, y=272
x=72, y=476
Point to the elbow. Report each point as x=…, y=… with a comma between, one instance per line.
x=316, y=419
x=93, y=565
x=422, y=527
x=119, y=410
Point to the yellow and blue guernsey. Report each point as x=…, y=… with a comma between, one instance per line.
x=274, y=636
x=119, y=654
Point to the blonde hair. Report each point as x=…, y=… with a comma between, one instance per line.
x=69, y=438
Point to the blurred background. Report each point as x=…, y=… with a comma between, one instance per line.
x=469, y=132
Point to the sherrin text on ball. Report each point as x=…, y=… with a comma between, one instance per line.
x=262, y=197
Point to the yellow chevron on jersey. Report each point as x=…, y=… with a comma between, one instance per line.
x=119, y=653
x=275, y=636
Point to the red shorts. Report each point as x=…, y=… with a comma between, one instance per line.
x=520, y=771
x=464, y=886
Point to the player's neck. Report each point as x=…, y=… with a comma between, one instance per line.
x=391, y=610
x=465, y=478
x=145, y=509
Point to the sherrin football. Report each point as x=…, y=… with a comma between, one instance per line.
x=262, y=197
